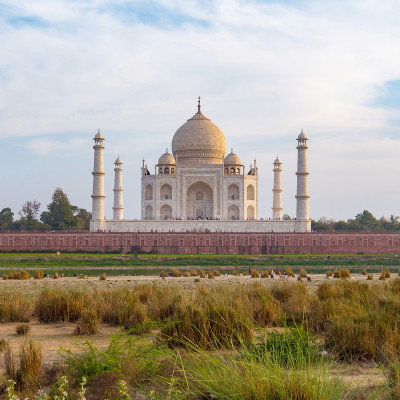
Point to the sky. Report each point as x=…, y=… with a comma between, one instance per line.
x=264, y=70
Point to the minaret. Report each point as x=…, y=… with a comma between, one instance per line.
x=302, y=212
x=277, y=190
x=118, y=201
x=98, y=179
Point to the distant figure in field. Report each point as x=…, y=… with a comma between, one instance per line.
x=308, y=279
x=299, y=279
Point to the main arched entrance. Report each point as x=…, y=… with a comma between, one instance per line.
x=199, y=201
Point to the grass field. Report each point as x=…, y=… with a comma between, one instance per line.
x=230, y=337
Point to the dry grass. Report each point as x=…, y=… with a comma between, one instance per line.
x=38, y=274
x=176, y=273
x=14, y=308
x=289, y=271
x=55, y=276
x=202, y=273
x=22, y=329
x=193, y=272
x=255, y=273
x=163, y=274
x=88, y=324
x=265, y=274
x=103, y=277
x=303, y=273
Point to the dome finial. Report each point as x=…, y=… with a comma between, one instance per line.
x=199, y=105
x=166, y=149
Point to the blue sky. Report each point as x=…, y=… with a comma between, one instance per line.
x=264, y=69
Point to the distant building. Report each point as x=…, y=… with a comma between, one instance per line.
x=198, y=188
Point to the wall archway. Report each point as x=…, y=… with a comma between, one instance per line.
x=199, y=196
x=148, y=192
x=148, y=212
x=166, y=192
x=250, y=192
x=233, y=212
x=233, y=192
x=250, y=212
x=166, y=212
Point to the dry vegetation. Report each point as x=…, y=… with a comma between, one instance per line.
x=174, y=332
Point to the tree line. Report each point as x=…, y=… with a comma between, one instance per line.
x=61, y=215
x=364, y=221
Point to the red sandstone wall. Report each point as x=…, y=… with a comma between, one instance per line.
x=205, y=243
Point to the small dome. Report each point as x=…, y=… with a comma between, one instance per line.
x=167, y=159
x=99, y=135
x=277, y=161
x=383, y=219
x=118, y=161
x=302, y=136
x=232, y=159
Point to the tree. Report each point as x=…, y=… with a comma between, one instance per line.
x=6, y=219
x=82, y=218
x=341, y=226
x=286, y=217
x=59, y=215
x=367, y=220
x=29, y=214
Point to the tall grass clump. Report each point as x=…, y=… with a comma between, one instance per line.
x=216, y=272
x=186, y=274
x=27, y=374
x=103, y=277
x=163, y=274
x=370, y=277
x=242, y=374
x=176, y=273
x=344, y=273
x=337, y=274
x=265, y=274
x=328, y=274
x=55, y=305
x=364, y=272
x=23, y=328
x=88, y=323
x=193, y=272
x=303, y=273
x=202, y=274
x=38, y=275
x=255, y=273
x=289, y=272
x=14, y=308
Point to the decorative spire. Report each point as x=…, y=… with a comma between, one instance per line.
x=199, y=105
x=166, y=149
x=231, y=150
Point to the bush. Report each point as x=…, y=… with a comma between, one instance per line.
x=328, y=274
x=88, y=323
x=22, y=329
x=176, y=273
x=255, y=273
x=210, y=275
x=337, y=274
x=25, y=275
x=103, y=277
x=38, y=275
x=26, y=376
x=202, y=274
x=364, y=272
x=370, y=277
x=216, y=272
x=265, y=274
x=237, y=273
x=186, y=274
x=55, y=276
x=344, y=273
x=14, y=308
x=387, y=273
x=289, y=272
x=163, y=274
x=193, y=272
x=303, y=273
x=5, y=277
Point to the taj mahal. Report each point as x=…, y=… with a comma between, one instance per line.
x=198, y=188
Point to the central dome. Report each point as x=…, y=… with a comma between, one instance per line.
x=199, y=141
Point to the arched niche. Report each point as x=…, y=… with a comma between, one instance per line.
x=166, y=192
x=233, y=192
x=148, y=192
x=250, y=212
x=149, y=212
x=166, y=212
x=199, y=196
x=250, y=192
x=233, y=212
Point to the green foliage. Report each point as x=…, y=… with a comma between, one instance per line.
x=6, y=219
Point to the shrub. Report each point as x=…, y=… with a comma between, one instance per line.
x=289, y=272
x=5, y=277
x=55, y=276
x=337, y=274
x=328, y=274
x=255, y=273
x=210, y=275
x=22, y=329
x=370, y=277
x=216, y=272
x=344, y=273
x=237, y=273
x=202, y=274
x=14, y=308
x=387, y=273
x=163, y=274
x=26, y=376
x=364, y=272
x=2, y=344
x=24, y=275
x=103, y=277
x=303, y=273
x=186, y=274
x=197, y=280
x=265, y=274
x=38, y=275
x=383, y=276
x=193, y=272
x=88, y=323
x=176, y=273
